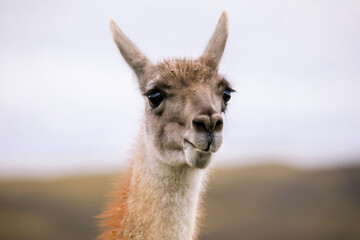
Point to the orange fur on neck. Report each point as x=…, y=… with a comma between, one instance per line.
x=116, y=209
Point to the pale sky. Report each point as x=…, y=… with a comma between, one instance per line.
x=69, y=103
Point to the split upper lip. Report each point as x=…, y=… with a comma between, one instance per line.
x=206, y=150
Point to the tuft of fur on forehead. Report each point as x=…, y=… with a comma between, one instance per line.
x=185, y=72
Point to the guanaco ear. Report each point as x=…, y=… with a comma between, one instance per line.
x=132, y=55
x=215, y=48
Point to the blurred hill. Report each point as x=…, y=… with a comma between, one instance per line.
x=254, y=203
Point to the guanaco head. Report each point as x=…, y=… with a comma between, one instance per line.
x=184, y=100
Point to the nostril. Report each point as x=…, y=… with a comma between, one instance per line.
x=206, y=123
x=199, y=126
x=218, y=125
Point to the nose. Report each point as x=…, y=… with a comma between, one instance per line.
x=208, y=123
x=206, y=119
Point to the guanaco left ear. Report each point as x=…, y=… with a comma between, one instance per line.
x=215, y=48
x=132, y=55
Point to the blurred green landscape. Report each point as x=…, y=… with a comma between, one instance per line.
x=252, y=203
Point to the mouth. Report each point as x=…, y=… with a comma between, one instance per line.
x=207, y=150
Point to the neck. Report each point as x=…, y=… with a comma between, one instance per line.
x=163, y=199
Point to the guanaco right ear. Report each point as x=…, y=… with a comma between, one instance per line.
x=215, y=48
x=132, y=55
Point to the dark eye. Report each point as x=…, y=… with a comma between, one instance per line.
x=155, y=98
x=227, y=95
